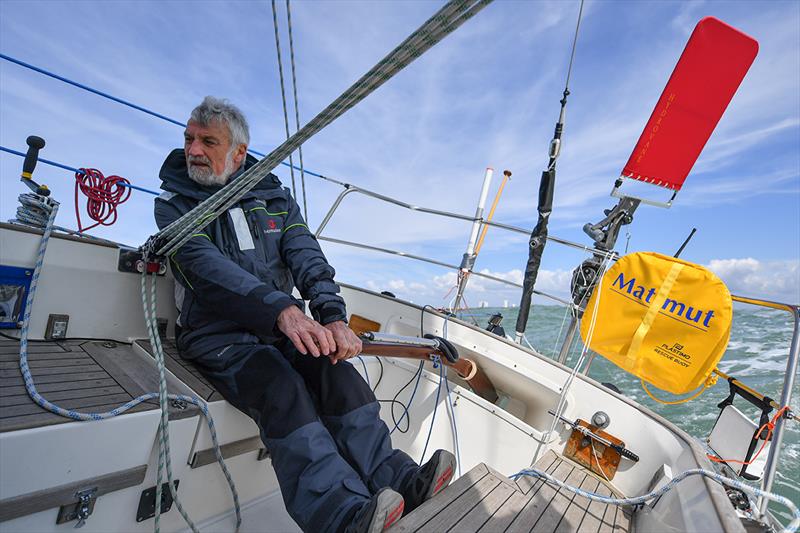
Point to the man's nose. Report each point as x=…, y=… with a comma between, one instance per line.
x=196, y=148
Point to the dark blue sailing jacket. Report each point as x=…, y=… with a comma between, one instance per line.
x=235, y=275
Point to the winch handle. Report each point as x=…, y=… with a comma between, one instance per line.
x=31, y=158
x=34, y=145
x=624, y=452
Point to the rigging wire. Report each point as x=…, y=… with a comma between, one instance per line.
x=538, y=239
x=132, y=106
x=283, y=91
x=574, y=46
x=296, y=109
x=436, y=28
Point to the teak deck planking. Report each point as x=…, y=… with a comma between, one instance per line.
x=485, y=501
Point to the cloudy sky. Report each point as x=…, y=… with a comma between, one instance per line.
x=486, y=96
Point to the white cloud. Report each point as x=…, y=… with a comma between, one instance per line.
x=439, y=290
x=776, y=280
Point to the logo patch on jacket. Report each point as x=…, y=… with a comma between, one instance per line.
x=272, y=227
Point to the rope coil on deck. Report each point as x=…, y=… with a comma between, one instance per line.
x=638, y=500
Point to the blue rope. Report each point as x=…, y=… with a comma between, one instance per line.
x=453, y=424
x=790, y=528
x=129, y=104
x=436, y=363
x=75, y=170
x=366, y=374
x=87, y=88
x=410, y=399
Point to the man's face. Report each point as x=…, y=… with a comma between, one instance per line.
x=210, y=158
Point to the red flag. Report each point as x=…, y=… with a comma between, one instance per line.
x=709, y=71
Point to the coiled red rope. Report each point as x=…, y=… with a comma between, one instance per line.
x=103, y=195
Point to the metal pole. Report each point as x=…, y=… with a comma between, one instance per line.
x=786, y=396
x=468, y=260
x=333, y=208
x=573, y=327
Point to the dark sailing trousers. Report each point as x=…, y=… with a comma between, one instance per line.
x=320, y=423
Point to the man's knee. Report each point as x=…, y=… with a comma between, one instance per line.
x=268, y=389
x=342, y=389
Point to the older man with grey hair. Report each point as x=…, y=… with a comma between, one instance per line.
x=246, y=333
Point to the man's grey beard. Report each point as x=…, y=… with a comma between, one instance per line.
x=205, y=175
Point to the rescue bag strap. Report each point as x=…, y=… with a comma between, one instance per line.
x=650, y=316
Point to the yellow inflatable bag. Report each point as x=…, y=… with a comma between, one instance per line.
x=664, y=320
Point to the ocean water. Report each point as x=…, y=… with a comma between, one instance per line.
x=756, y=355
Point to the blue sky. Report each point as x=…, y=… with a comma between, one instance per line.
x=486, y=96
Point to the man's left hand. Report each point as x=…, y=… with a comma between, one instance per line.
x=347, y=343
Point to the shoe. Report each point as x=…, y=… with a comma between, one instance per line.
x=380, y=513
x=430, y=479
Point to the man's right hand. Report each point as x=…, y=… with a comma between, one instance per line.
x=307, y=335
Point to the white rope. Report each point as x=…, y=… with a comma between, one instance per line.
x=638, y=500
x=565, y=388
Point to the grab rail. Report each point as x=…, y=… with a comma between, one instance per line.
x=771, y=467
x=348, y=189
x=443, y=264
x=447, y=214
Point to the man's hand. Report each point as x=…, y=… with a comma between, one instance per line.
x=307, y=335
x=347, y=343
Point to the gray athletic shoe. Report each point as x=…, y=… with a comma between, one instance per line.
x=430, y=479
x=380, y=513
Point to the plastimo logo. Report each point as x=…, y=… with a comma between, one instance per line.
x=688, y=314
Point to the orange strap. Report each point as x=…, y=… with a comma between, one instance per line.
x=769, y=426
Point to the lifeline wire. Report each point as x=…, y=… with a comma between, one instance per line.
x=133, y=106
x=445, y=21
x=637, y=500
x=283, y=91
x=74, y=170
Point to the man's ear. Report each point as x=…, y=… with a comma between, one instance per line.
x=239, y=155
